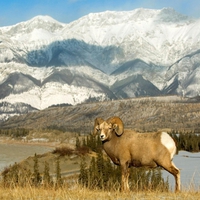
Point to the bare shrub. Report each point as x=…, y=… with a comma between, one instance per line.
x=63, y=151
x=82, y=150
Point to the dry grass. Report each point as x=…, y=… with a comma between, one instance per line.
x=142, y=114
x=32, y=193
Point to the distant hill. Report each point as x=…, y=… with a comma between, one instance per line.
x=148, y=113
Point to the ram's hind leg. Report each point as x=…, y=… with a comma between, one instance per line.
x=172, y=169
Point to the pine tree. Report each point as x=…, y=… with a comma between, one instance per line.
x=36, y=174
x=92, y=174
x=59, y=180
x=100, y=169
x=78, y=144
x=5, y=176
x=14, y=174
x=46, y=177
x=83, y=176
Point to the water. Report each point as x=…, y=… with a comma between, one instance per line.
x=189, y=165
x=11, y=153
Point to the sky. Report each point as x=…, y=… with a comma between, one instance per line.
x=66, y=11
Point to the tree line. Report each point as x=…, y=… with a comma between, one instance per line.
x=101, y=173
x=186, y=141
x=14, y=133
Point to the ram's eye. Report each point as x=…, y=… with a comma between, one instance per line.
x=97, y=129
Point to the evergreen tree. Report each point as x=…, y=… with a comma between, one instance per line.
x=46, y=177
x=78, y=143
x=84, y=142
x=92, y=174
x=59, y=180
x=5, y=176
x=36, y=174
x=100, y=170
x=15, y=174
x=83, y=176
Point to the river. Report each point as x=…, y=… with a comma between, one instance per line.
x=11, y=153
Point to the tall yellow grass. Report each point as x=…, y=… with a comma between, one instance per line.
x=80, y=193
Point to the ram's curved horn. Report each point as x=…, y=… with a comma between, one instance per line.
x=97, y=122
x=117, y=124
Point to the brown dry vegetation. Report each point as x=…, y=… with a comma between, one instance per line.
x=81, y=193
x=149, y=113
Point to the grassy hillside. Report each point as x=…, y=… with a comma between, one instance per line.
x=149, y=113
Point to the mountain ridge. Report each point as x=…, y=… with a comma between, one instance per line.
x=101, y=56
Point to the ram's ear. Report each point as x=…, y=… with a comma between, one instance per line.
x=97, y=122
x=117, y=125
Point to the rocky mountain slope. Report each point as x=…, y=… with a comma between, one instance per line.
x=99, y=57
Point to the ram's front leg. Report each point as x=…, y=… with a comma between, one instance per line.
x=125, y=177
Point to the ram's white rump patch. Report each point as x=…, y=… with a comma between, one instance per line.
x=169, y=143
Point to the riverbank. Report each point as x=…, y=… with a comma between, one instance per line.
x=33, y=142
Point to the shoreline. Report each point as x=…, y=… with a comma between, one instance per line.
x=8, y=140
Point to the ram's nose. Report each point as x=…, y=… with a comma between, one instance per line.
x=102, y=136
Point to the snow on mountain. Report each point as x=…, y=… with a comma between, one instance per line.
x=53, y=94
x=56, y=86
x=20, y=32
x=152, y=35
x=101, y=56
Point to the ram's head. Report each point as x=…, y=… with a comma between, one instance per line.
x=106, y=129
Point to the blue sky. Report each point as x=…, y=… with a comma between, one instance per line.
x=15, y=11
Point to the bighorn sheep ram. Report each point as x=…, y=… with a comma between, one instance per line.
x=128, y=148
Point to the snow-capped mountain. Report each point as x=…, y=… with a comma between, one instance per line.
x=101, y=56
